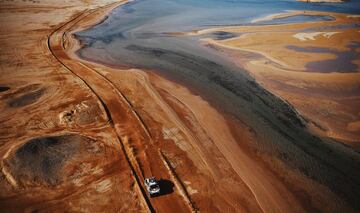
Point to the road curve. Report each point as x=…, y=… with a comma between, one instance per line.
x=123, y=118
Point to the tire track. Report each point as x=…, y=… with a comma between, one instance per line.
x=119, y=112
x=56, y=45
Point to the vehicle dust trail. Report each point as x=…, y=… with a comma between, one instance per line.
x=124, y=120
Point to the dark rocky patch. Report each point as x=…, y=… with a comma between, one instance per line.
x=40, y=160
x=26, y=99
x=4, y=88
x=21, y=90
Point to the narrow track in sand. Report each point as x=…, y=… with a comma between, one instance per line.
x=132, y=133
x=145, y=161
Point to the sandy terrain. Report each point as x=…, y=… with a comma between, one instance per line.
x=283, y=61
x=58, y=147
x=80, y=137
x=88, y=149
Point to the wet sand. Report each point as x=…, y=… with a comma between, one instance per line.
x=311, y=191
x=195, y=113
x=105, y=117
x=329, y=78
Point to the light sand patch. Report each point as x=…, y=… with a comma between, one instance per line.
x=97, y=171
x=354, y=126
x=9, y=177
x=313, y=35
x=103, y=186
x=190, y=190
x=329, y=34
x=353, y=16
x=267, y=18
x=174, y=135
x=78, y=182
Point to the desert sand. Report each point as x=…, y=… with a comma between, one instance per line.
x=58, y=148
x=89, y=149
x=80, y=137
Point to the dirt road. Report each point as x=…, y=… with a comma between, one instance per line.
x=127, y=124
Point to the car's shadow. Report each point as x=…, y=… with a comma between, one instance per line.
x=166, y=187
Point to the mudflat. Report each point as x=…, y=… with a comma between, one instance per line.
x=312, y=65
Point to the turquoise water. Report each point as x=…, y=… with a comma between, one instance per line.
x=136, y=35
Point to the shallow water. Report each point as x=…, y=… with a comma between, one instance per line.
x=221, y=35
x=297, y=19
x=335, y=27
x=342, y=63
x=136, y=35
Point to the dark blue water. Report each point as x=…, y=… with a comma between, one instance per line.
x=136, y=35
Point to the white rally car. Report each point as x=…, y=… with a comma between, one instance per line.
x=152, y=186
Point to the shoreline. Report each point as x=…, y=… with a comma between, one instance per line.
x=131, y=124
x=96, y=66
x=237, y=161
x=276, y=59
x=263, y=198
x=250, y=185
